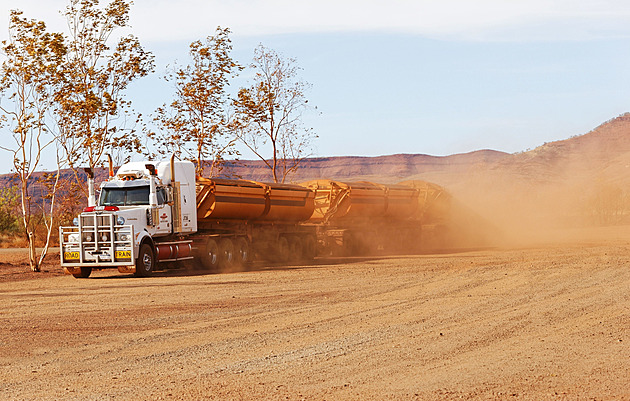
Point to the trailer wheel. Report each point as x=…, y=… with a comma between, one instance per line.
x=145, y=264
x=241, y=252
x=210, y=258
x=296, y=249
x=309, y=250
x=411, y=242
x=85, y=273
x=371, y=244
x=282, y=250
x=226, y=253
x=349, y=247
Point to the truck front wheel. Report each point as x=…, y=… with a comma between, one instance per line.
x=145, y=264
x=85, y=272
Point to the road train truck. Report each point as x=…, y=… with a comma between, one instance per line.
x=149, y=215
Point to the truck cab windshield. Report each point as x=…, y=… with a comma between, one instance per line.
x=114, y=196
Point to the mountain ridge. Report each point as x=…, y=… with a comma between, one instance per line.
x=566, y=176
x=386, y=168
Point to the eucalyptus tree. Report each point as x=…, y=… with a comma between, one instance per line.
x=29, y=77
x=94, y=116
x=270, y=113
x=196, y=125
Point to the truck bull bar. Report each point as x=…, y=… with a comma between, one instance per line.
x=97, y=242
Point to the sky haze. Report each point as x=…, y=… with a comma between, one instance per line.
x=433, y=77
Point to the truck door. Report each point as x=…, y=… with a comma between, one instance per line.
x=164, y=221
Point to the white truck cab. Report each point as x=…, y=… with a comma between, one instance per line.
x=143, y=215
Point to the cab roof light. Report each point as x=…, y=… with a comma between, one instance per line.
x=99, y=208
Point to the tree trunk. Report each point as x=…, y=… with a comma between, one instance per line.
x=32, y=254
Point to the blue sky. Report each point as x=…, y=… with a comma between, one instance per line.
x=434, y=77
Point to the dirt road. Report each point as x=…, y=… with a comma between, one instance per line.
x=544, y=323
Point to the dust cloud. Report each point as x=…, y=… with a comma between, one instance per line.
x=565, y=191
x=505, y=209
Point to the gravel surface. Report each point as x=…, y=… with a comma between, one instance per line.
x=542, y=323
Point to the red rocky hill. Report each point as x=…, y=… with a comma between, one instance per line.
x=580, y=180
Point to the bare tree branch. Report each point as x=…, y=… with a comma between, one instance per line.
x=270, y=114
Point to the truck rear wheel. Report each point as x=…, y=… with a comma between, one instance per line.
x=210, y=257
x=282, y=250
x=349, y=247
x=226, y=253
x=241, y=252
x=309, y=248
x=145, y=264
x=85, y=273
x=296, y=249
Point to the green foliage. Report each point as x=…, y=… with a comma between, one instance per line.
x=70, y=201
x=80, y=81
x=67, y=92
x=28, y=76
x=9, y=211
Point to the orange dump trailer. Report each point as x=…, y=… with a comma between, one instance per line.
x=249, y=200
x=447, y=223
x=244, y=218
x=435, y=211
x=363, y=217
x=240, y=219
x=434, y=202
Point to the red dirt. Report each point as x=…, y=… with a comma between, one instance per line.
x=539, y=323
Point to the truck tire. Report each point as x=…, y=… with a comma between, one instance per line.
x=145, y=264
x=241, y=252
x=296, y=249
x=309, y=249
x=85, y=273
x=210, y=257
x=226, y=253
x=282, y=250
x=349, y=247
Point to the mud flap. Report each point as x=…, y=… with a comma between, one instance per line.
x=72, y=270
x=126, y=269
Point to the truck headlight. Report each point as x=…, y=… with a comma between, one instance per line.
x=120, y=220
x=73, y=238
x=123, y=237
